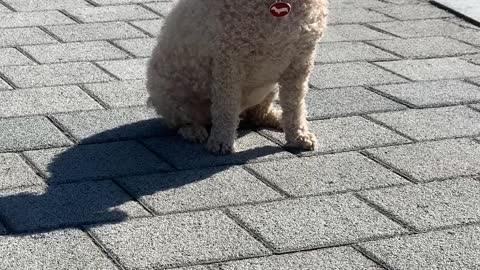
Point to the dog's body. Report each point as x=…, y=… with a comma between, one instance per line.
x=217, y=59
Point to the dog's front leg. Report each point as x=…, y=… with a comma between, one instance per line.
x=293, y=89
x=226, y=102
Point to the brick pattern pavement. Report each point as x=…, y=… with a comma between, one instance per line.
x=91, y=179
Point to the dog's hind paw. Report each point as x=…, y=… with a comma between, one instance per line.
x=304, y=141
x=193, y=133
x=220, y=147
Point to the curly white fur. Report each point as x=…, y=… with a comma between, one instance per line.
x=218, y=59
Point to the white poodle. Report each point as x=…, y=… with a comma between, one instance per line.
x=219, y=60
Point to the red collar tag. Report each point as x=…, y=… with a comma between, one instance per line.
x=280, y=9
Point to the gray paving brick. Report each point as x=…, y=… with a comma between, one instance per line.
x=450, y=249
x=435, y=93
x=54, y=74
x=14, y=172
x=79, y=51
x=343, y=258
x=95, y=31
x=161, y=7
x=346, y=101
x=19, y=134
x=23, y=36
x=198, y=189
x=177, y=239
x=118, y=2
x=475, y=58
x=120, y=93
x=351, y=74
x=322, y=174
x=470, y=36
x=344, y=134
x=435, y=123
x=356, y=4
x=349, y=51
x=419, y=28
x=113, y=125
x=151, y=26
x=356, y=15
x=251, y=147
x=432, y=205
x=4, y=85
x=36, y=208
x=140, y=47
x=433, y=160
x=36, y=18
x=414, y=12
x=28, y=5
x=353, y=32
x=53, y=250
x=199, y=267
x=96, y=161
x=11, y=57
x=315, y=222
x=112, y=13
x=45, y=100
x=433, y=69
x=429, y=47
x=130, y=69
x=4, y=8
x=408, y=2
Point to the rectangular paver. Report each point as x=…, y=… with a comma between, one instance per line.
x=35, y=208
x=45, y=100
x=320, y=175
x=130, y=69
x=353, y=32
x=433, y=69
x=433, y=160
x=150, y=26
x=161, y=7
x=347, y=101
x=198, y=189
x=140, y=47
x=78, y=51
x=432, y=205
x=95, y=31
x=177, y=239
x=120, y=93
x=436, y=93
x=357, y=4
x=414, y=12
x=351, y=74
x=53, y=250
x=19, y=134
x=27, y=5
x=450, y=249
x=469, y=35
x=12, y=57
x=113, y=125
x=343, y=258
x=14, y=172
x=250, y=147
x=435, y=123
x=419, y=28
x=355, y=15
x=345, y=134
x=315, y=222
x=54, y=74
x=350, y=51
x=23, y=36
x=111, y=13
x=96, y=161
x=36, y=18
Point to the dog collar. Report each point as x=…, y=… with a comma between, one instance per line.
x=280, y=8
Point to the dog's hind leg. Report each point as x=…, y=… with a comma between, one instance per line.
x=194, y=133
x=264, y=114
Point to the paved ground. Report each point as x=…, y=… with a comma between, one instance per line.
x=90, y=179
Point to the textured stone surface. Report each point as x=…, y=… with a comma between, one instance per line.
x=350, y=51
x=437, y=123
x=344, y=134
x=353, y=74
x=14, y=172
x=435, y=93
x=140, y=47
x=347, y=101
x=150, y=26
x=177, y=239
x=18, y=134
x=326, y=174
x=53, y=250
x=432, y=160
x=112, y=13
x=355, y=15
x=40, y=18
x=414, y=12
x=12, y=57
x=198, y=189
x=432, y=205
x=315, y=222
x=161, y=7
x=45, y=100
x=27, y=5
x=450, y=249
x=353, y=32
x=23, y=36
x=120, y=93
x=35, y=208
x=113, y=125
x=421, y=28
x=96, y=161
x=130, y=69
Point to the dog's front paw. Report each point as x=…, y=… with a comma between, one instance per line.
x=220, y=147
x=305, y=141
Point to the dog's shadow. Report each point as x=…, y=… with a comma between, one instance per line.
x=82, y=190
